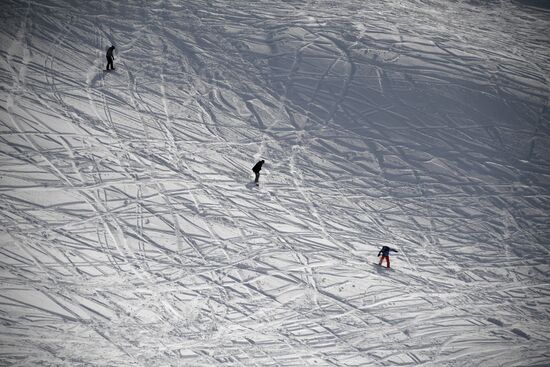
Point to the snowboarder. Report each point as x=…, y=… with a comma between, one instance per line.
x=256, y=169
x=110, y=57
x=385, y=252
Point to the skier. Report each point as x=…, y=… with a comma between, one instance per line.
x=385, y=251
x=110, y=57
x=257, y=168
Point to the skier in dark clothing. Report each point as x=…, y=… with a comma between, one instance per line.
x=385, y=252
x=110, y=57
x=257, y=168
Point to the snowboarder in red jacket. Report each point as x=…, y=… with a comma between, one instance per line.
x=256, y=169
x=385, y=252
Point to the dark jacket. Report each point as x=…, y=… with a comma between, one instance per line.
x=385, y=251
x=258, y=166
x=110, y=51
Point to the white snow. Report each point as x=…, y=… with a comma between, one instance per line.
x=132, y=234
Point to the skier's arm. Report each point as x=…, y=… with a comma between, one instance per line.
x=394, y=250
x=379, y=252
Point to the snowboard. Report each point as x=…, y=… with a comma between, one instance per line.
x=105, y=70
x=252, y=185
x=382, y=267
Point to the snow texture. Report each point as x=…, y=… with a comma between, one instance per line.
x=132, y=233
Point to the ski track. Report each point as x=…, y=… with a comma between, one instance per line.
x=132, y=234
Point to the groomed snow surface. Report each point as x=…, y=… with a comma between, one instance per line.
x=132, y=233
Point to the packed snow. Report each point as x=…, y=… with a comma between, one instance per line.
x=132, y=233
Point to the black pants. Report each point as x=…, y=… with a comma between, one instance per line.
x=110, y=62
x=257, y=176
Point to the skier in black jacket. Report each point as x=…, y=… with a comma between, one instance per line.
x=257, y=168
x=110, y=57
x=385, y=252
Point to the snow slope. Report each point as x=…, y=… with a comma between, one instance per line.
x=133, y=236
